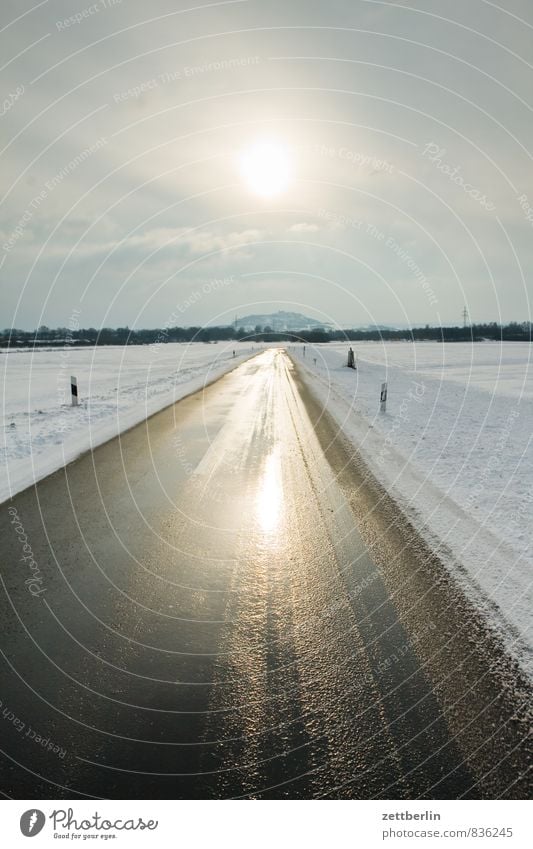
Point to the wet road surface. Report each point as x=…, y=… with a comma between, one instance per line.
x=229, y=606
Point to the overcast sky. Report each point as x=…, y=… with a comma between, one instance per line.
x=406, y=128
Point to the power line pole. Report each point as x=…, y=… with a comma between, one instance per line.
x=466, y=320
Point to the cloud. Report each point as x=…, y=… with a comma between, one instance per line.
x=195, y=242
x=304, y=227
x=164, y=194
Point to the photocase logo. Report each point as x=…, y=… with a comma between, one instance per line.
x=32, y=822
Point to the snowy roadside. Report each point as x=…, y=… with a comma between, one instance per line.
x=118, y=388
x=454, y=449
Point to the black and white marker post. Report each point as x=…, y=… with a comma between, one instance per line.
x=74, y=390
x=383, y=398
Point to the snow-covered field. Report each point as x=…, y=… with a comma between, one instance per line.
x=454, y=448
x=118, y=387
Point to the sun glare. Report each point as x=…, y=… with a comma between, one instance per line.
x=265, y=167
x=270, y=494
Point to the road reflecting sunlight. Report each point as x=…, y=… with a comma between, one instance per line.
x=270, y=494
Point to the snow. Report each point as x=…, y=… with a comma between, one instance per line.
x=454, y=449
x=118, y=387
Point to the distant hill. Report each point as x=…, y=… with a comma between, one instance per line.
x=279, y=321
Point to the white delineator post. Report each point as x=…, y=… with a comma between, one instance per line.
x=383, y=398
x=74, y=390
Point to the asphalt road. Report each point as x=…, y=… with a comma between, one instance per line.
x=225, y=604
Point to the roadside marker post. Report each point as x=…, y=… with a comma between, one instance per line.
x=383, y=398
x=74, y=390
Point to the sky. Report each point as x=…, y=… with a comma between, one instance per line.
x=359, y=161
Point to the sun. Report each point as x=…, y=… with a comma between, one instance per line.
x=266, y=168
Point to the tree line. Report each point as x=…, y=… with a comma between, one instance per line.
x=43, y=336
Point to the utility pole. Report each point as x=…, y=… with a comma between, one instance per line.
x=466, y=321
